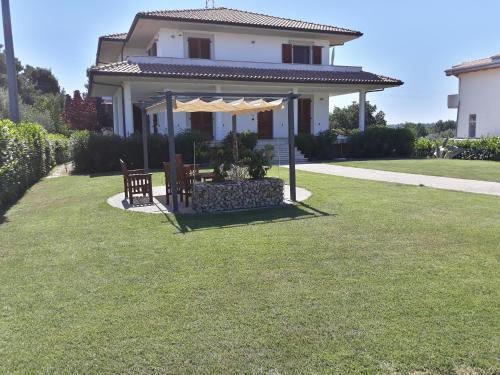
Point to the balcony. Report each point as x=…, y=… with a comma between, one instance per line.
x=241, y=64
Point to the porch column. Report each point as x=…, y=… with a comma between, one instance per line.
x=218, y=119
x=117, y=113
x=128, y=109
x=362, y=110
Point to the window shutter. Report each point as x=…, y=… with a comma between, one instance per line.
x=205, y=48
x=154, y=49
x=287, y=53
x=192, y=48
x=317, y=55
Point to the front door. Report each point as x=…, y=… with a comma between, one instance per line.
x=202, y=122
x=304, y=116
x=265, y=125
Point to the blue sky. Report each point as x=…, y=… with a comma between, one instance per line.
x=414, y=41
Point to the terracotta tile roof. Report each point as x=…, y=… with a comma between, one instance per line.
x=118, y=36
x=227, y=16
x=243, y=74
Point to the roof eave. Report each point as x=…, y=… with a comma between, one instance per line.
x=355, y=34
x=394, y=83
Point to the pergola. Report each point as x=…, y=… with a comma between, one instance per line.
x=236, y=105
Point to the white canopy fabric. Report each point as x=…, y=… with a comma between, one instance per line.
x=235, y=107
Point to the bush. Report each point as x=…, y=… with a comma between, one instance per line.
x=379, y=142
x=320, y=146
x=26, y=155
x=424, y=148
x=95, y=152
x=487, y=148
x=61, y=148
x=257, y=163
x=305, y=143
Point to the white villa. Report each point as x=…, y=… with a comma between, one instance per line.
x=221, y=50
x=478, y=98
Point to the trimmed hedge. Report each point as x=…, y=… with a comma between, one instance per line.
x=380, y=142
x=487, y=148
x=27, y=153
x=95, y=152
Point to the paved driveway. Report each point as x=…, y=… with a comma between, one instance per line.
x=447, y=183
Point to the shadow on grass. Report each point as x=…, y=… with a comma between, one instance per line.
x=3, y=217
x=190, y=223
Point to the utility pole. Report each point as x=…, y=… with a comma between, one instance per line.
x=10, y=62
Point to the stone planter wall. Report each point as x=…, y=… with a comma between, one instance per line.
x=228, y=195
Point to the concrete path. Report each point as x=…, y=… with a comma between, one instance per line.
x=447, y=183
x=160, y=206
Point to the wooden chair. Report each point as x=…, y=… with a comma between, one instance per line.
x=186, y=174
x=136, y=181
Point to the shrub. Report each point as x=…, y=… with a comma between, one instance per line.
x=320, y=146
x=383, y=142
x=487, y=148
x=424, y=148
x=305, y=143
x=185, y=144
x=95, y=152
x=257, y=163
x=61, y=148
x=26, y=155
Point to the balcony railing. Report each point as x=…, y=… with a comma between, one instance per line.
x=240, y=64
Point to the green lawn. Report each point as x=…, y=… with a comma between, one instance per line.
x=365, y=277
x=468, y=169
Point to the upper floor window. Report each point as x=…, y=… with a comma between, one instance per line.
x=472, y=125
x=153, y=51
x=301, y=54
x=199, y=48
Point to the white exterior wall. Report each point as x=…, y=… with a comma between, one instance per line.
x=320, y=110
x=480, y=95
x=180, y=122
x=236, y=47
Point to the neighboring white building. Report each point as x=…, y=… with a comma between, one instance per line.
x=478, y=98
x=227, y=50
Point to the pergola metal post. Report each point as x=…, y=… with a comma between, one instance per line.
x=171, y=149
x=235, y=138
x=291, y=146
x=145, y=134
x=10, y=62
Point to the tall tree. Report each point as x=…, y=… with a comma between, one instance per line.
x=348, y=117
x=81, y=113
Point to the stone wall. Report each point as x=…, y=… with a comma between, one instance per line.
x=229, y=195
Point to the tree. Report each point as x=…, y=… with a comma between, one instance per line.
x=81, y=113
x=443, y=126
x=348, y=117
x=419, y=129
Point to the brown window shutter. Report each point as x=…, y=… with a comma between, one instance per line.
x=317, y=55
x=205, y=48
x=287, y=53
x=192, y=48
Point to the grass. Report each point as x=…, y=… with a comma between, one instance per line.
x=468, y=169
x=366, y=277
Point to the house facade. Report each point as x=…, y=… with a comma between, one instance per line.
x=478, y=98
x=226, y=50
